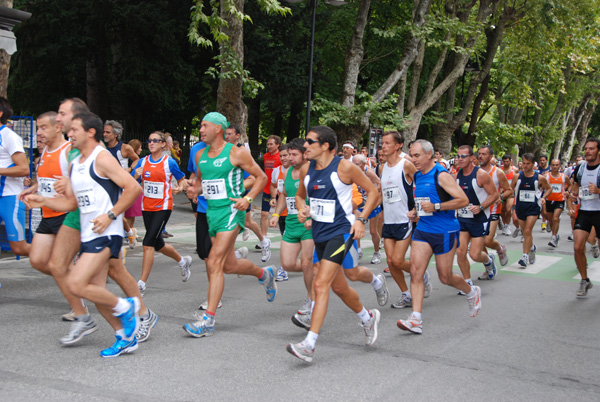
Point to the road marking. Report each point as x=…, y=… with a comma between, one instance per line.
x=541, y=263
x=593, y=272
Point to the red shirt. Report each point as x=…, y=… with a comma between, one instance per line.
x=271, y=162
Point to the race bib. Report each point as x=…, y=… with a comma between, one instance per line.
x=526, y=195
x=280, y=185
x=46, y=187
x=420, y=212
x=291, y=205
x=86, y=200
x=556, y=187
x=214, y=189
x=153, y=189
x=585, y=194
x=465, y=212
x=391, y=194
x=322, y=210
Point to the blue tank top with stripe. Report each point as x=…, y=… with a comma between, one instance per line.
x=427, y=186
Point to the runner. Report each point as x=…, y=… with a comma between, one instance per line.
x=297, y=238
x=586, y=184
x=437, y=196
x=542, y=169
x=398, y=199
x=95, y=186
x=155, y=172
x=528, y=204
x=506, y=214
x=220, y=167
x=486, y=156
x=13, y=168
x=327, y=181
x=474, y=219
x=271, y=161
x=277, y=180
x=559, y=182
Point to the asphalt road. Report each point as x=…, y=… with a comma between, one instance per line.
x=533, y=339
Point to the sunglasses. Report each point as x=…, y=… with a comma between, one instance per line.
x=311, y=141
x=154, y=140
x=463, y=156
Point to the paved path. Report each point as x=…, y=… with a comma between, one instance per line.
x=533, y=340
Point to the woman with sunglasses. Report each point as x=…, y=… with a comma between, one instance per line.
x=155, y=172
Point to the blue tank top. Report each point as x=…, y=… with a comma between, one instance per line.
x=528, y=190
x=427, y=187
x=476, y=195
x=116, y=152
x=330, y=201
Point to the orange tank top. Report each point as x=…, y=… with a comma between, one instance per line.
x=558, y=187
x=52, y=164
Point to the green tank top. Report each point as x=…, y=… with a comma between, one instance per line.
x=291, y=188
x=220, y=179
x=73, y=153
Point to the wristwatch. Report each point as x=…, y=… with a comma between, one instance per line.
x=249, y=199
x=363, y=220
x=112, y=215
x=437, y=206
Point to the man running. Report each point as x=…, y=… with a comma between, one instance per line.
x=437, y=196
x=542, y=169
x=486, y=155
x=586, y=184
x=271, y=160
x=527, y=186
x=360, y=161
x=555, y=205
x=327, y=181
x=506, y=214
x=219, y=175
x=277, y=181
x=474, y=219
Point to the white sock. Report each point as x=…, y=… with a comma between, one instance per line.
x=141, y=282
x=266, y=242
x=417, y=315
x=407, y=293
x=312, y=306
x=181, y=262
x=121, y=307
x=121, y=333
x=489, y=260
x=364, y=315
x=130, y=233
x=311, y=339
x=376, y=283
x=471, y=293
x=525, y=255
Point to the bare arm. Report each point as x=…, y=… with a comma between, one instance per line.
x=485, y=181
x=21, y=168
x=128, y=152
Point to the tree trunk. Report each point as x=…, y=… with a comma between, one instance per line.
x=582, y=130
x=4, y=59
x=253, y=126
x=559, y=142
x=229, y=92
x=354, y=54
x=575, y=121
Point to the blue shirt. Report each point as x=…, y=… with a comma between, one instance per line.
x=427, y=186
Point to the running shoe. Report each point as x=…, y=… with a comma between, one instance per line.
x=522, y=239
x=301, y=350
x=360, y=254
x=411, y=324
x=166, y=234
x=204, y=327
x=584, y=286
x=269, y=282
x=502, y=255
x=475, y=302
x=246, y=234
x=302, y=320
x=553, y=242
x=146, y=325
x=381, y=243
x=258, y=247
x=78, y=330
x=491, y=270
x=204, y=305
x=130, y=319
x=549, y=228
x=595, y=251
x=387, y=272
x=532, y=254
x=523, y=261
x=241, y=252
x=185, y=269
x=428, y=285
x=544, y=225
x=142, y=287
x=282, y=275
x=500, y=224
x=507, y=231
x=371, y=327
x=121, y=346
x=570, y=236
x=404, y=301
x=376, y=258
x=382, y=294
x=70, y=316
x=516, y=233
x=305, y=308
x=266, y=250
x=132, y=240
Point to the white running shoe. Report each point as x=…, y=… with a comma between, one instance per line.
x=185, y=269
x=376, y=257
x=502, y=255
x=516, y=233
x=246, y=234
x=241, y=252
x=475, y=302
x=266, y=250
x=142, y=287
x=204, y=305
x=595, y=251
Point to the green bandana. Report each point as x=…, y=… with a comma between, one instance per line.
x=218, y=119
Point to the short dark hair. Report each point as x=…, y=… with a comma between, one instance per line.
x=543, y=156
x=326, y=135
x=489, y=147
x=283, y=147
x=6, y=110
x=236, y=128
x=297, y=144
x=506, y=156
x=467, y=147
x=597, y=141
x=77, y=106
x=529, y=156
x=399, y=138
x=89, y=120
x=275, y=138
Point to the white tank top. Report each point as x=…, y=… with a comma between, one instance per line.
x=395, y=197
x=95, y=196
x=589, y=201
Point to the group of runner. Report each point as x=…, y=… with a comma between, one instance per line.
x=84, y=191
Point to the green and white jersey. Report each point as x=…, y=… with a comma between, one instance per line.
x=220, y=179
x=291, y=188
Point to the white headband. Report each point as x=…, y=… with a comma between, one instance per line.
x=348, y=145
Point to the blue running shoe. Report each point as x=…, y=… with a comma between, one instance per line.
x=204, y=327
x=269, y=283
x=130, y=320
x=120, y=347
